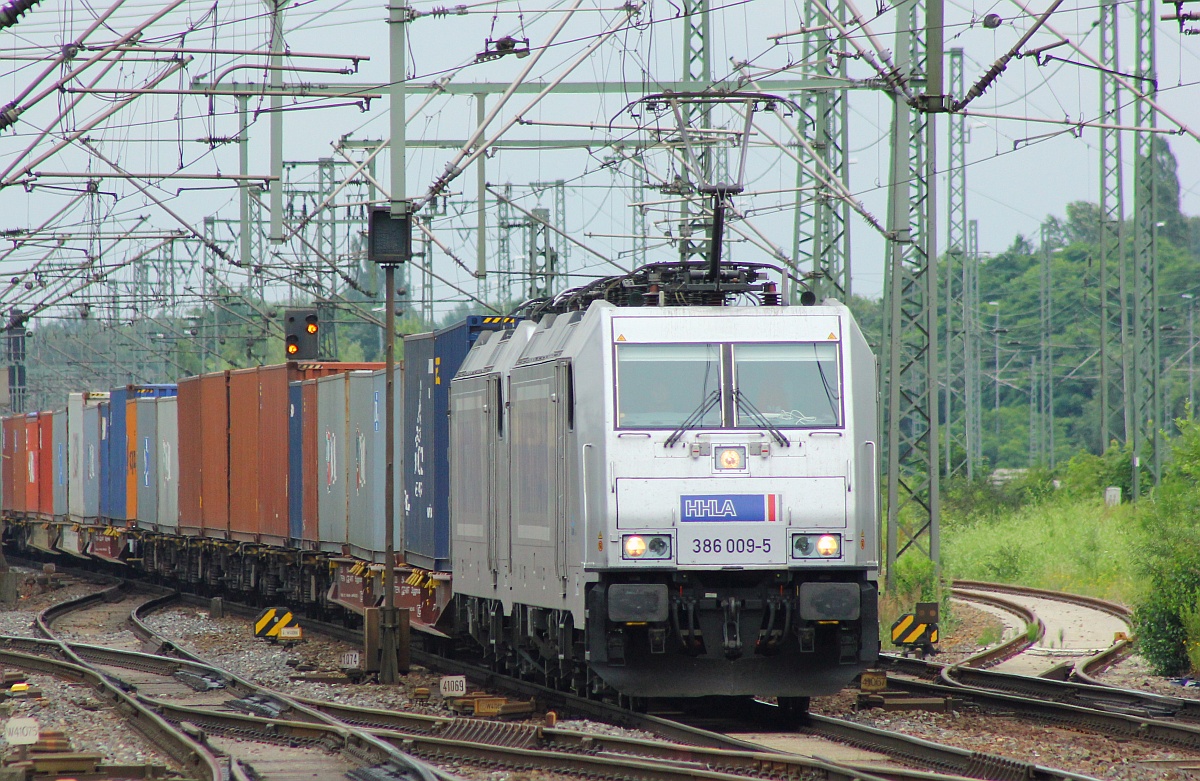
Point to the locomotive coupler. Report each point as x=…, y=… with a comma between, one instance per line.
x=683, y=615
x=732, y=629
x=776, y=626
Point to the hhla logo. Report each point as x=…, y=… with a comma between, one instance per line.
x=709, y=508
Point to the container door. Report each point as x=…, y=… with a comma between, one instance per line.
x=93, y=422
x=167, y=423
x=131, y=459
x=295, y=464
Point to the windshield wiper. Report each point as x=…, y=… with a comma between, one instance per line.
x=744, y=405
x=708, y=403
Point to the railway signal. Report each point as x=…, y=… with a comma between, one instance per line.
x=301, y=329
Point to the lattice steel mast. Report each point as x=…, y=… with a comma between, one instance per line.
x=821, y=224
x=958, y=308
x=911, y=347
x=1147, y=407
x=1114, y=368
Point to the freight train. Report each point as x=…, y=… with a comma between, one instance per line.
x=660, y=484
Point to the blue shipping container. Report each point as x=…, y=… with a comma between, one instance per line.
x=115, y=458
x=295, y=464
x=430, y=362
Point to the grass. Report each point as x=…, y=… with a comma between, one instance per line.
x=1060, y=544
x=991, y=635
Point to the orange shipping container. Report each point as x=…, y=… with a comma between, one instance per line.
x=5, y=465
x=20, y=465
x=30, y=465
x=190, y=464
x=244, y=449
x=258, y=446
x=214, y=454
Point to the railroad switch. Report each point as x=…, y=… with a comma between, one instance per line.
x=482, y=704
x=903, y=701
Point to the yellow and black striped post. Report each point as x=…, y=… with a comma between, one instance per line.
x=918, y=629
x=271, y=621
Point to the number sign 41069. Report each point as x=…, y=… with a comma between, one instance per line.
x=453, y=685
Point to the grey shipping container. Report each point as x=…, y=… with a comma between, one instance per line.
x=331, y=462
x=89, y=467
x=364, y=449
x=59, y=467
x=146, y=468
x=75, y=457
x=167, y=448
x=367, y=472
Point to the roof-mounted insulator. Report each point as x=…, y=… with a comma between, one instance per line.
x=10, y=12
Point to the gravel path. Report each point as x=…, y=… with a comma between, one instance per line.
x=36, y=593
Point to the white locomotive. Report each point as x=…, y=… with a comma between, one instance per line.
x=670, y=500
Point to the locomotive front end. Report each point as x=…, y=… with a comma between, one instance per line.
x=736, y=542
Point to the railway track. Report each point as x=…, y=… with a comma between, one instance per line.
x=202, y=729
x=717, y=748
x=264, y=735
x=1079, y=702
x=681, y=750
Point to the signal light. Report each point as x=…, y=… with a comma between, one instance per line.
x=301, y=328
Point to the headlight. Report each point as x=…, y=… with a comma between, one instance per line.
x=816, y=546
x=646, y=547
x=729, y=458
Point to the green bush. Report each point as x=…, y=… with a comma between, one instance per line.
x=1171, y=561
x=1161, y=636
x=969, y=501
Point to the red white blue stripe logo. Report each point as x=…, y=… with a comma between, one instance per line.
x=720, y=508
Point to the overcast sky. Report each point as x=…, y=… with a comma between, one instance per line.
x=1017, y=173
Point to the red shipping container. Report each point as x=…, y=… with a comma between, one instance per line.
x=308, y=448
x=45, y=467
x=244, y=454
x=190, y=464
x=214, y=454
x=273, y=440
x=20, y=465
x=7, y=492
x=30, y=465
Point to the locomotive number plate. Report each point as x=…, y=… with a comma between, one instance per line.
x=731, y=545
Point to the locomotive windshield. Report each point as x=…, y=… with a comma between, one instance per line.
x=788, y=385
x=773, y=386
x=662, y=385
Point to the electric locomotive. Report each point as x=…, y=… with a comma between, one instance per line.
x=662, y=489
